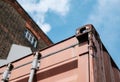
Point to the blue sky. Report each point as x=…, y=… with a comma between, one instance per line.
x=60, y=18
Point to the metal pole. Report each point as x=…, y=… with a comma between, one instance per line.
x=35, y=66
x=32, y=73
x=7, y=73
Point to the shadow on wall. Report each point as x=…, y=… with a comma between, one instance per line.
x=16, y=52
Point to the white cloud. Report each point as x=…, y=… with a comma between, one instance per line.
x=46, y=27
x=105, y=10
x=39, y=8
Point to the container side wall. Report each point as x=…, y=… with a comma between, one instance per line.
x=97, y=72
x=108, y=68
x=66, y=63
x=116, y=74
x=83, y=70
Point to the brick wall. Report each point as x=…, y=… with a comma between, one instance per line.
x=12, y=28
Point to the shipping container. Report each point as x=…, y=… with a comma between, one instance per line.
x=79, y=58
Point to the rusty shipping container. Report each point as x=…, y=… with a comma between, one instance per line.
x=80, y=58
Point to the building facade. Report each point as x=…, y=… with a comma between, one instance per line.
x=80, y=58
x=17, y=27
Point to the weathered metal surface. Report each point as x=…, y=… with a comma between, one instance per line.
x=70, y=60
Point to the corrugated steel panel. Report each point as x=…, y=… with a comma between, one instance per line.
x=76, y=59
